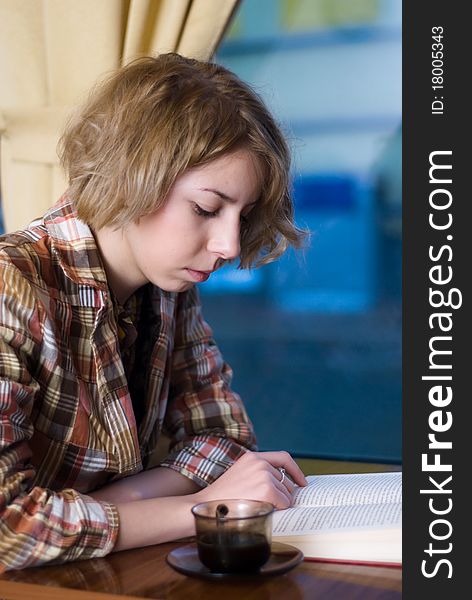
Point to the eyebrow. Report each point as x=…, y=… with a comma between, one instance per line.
x=222, y=195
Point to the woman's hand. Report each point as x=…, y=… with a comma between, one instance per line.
x=256, y=476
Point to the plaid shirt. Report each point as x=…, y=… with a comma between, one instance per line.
x=67, y=424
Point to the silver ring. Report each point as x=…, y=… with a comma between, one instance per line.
x=282, y=472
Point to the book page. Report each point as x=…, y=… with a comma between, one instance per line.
x=303, y=520
x=359, y=488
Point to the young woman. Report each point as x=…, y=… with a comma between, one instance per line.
x=175, y=167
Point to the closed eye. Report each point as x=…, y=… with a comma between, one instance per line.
x=204, y=213
x=210, y=214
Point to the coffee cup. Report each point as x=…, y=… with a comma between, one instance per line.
x=233, y=536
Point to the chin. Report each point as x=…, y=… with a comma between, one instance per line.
x=178, y=286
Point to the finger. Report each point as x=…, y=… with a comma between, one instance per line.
x=283, y=487
x=284, y=479
x=289, y=484
x=283, y=459
x=283, y=499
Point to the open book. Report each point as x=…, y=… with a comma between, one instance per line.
x=345, y=518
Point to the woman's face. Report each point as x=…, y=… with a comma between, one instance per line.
x=198, y=227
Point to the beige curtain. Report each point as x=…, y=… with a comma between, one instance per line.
x=52, y=51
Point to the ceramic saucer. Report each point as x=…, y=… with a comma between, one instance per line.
x=282, y=558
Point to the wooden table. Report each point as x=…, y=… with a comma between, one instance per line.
x=144, y=573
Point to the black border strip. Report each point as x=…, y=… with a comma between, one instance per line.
x=442, y=131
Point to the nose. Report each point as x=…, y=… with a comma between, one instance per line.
x=224, y=240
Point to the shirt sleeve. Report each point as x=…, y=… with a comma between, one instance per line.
x=37, y=525
x=206, y=421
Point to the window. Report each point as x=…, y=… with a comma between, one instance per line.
x=315, y=339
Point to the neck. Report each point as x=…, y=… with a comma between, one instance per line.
x=120, y=270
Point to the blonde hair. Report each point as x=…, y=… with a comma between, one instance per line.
x=158, y=116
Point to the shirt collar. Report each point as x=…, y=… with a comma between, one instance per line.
x=74, y=244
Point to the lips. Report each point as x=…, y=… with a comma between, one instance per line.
x=199, y=276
